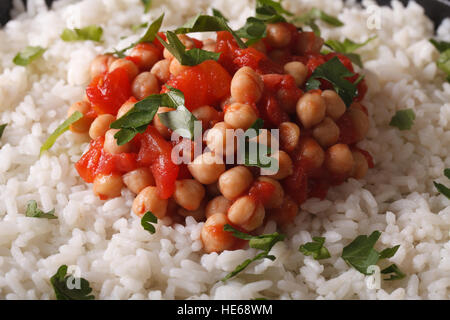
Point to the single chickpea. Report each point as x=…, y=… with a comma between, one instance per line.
x=161, y=70
x=326, y=132
x=311, y=151
x=246, y=86
x=311, y=109
x=298, y=71
x=285, y=166
x=149, y=200
x=128, y=65
x=216, y=139
x=144, y=85
x=219, y=204
x=335, y=105
x=146, y=55
x=111, y=145
x=189, y=194
x=360, y=123
x=198, y=214
x=276, y=199
x=100, y=125
x=214, y=238
x=278, y=36
x=207, y=168
x=108, y=186
x=138, y=179
x=308, y=42
x=233, y=182
x=246, y=213
x=206, y=115
x=240, y=116
x=101, y=64
x=84, y=123
x=360, y=166
x=339, y=159
x=176, y=67
x=289, y=136
x=162, y=129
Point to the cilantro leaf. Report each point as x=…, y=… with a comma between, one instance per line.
x=360, y=253
x=347, y=48
x=315, y=249
x=403, y=119
x=389, y=252
x=397, y=273
x=191, y=57
x=180, y=119
x=253, y=30
x=147, y=4
x=61, y=282
x=34, y=212
x=2, y=128
x=28, y=55
x=442, y=189
x=441, y=46
x=60, y=130
x=147, y=222
x=335, y=72
x=92, y=32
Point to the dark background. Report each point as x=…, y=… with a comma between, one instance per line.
x=437, y=10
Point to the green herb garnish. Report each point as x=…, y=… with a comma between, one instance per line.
x=34, y=212
x=147, y=222
x=347, y=48
x=314, y=14
x=441, y=188
x=28, y=55
x=403, y=119
x=147, y=5
x=315, y=249
x=2, y=128
x=181, y=120
x=443, y=62
x=92, y=32
x=397, y=273
x=60, y=130
x=62, y=282
x=263, y=242
x=218, y=14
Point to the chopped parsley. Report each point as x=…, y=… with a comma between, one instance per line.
x=443, y=62
x=2, y=129
x=181, y=120
x=147, y=222
x=28, y=55
x=314, y=14
x=65, y=286
x=441, y=188
x=347, y=48
x=34, y=212
x=92, y=32
x=315, y=249
x=396, y=273
x=403, y=119
x=147, y=5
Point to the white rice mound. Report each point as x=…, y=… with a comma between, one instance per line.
x=105, y=240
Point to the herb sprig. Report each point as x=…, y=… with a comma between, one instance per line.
x=441, y=188
x=61, y=282
x=34, y=212
x=28, y=55
x=148, y=221
x=443, y=62
x=92, y=32
x=347, y=48
x=403, y=119
x=315, y=249
x=2, y=129
x=309, y=18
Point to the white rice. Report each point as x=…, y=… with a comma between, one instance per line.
x=123, y=261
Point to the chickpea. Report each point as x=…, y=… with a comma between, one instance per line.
x=235, y=181
x=360, y=166
x=246, y=213
x=127, y=106
x=278, y=36
x=286, y=214
x=147, y=55
x=226, y=102
x=111, y=145
x=246, y=86
x=198, y=214
x=101, y=64
x=311, y=109
x=144, y=85
x=149, y=200
x=84, y=123
x=214, y=238
x=308, y=42
x=219, y=204
x=335, y=105
x=138, y=179
x=100, y=125
x=128, y=65
x=161, y=70
x=176, y=68
x=312, y=152
x=162, y=129
x=285, y=166
x=216, y=139
x=289, y=136
x=339, y=159
x=276, y=199
x=360, y=123
x=189, y=194
x=287, y=101
x=240, y=116
x=298, y=71
x=206, y=115
x=209, y=45
x=108, y=186
x=326, y=132
x=207, y=168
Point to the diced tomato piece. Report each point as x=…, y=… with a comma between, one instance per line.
x=318, y=188
x=125, y=162
x=108, y=92
x=347, y=131
x=296, y=185
x=261, y=191
x=197, y=43
x=156, y=152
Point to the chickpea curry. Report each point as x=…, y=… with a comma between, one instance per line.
x=229, y=81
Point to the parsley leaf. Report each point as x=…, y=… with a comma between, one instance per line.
x=389, y=252
x=28, y=55
x=403, y=119
x=147, y=4
x=253, y=30
x=34, y=212
x=218, y=14
x=441, y=188
x=447, y=172
x=315, y=249
x=191, y=57
x=397, y=273
x=180, y=119
x=347, y=48
x=147, y=222
x=263, y=242
x=275, y=5
x=60, y=130
x=441, y=46
x=61, y=282
x=253, y=147
x=309, y=18
x=136, y=27
x=335, y=72
x=443, y=62
x=92, y=32
x=2, y=128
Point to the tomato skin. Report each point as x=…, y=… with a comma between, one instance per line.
x=296, y=185
x=261, y=191
x=156, y=152
x=108, y=92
